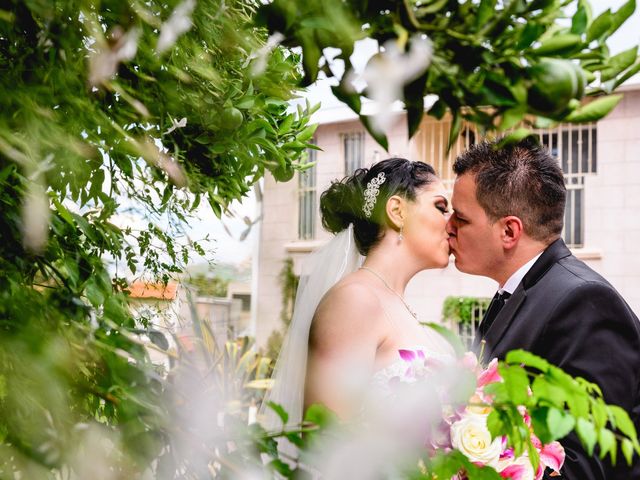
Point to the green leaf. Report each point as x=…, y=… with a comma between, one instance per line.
x=284, y=416
x=486, y=10
x=281, y=467
x=622, y=421
x=559, y=423
x=600, y=26
x=515, y=137
x=627, y=75
x=531, y=32
x=627, y=450
x=307, y=133
x=454, y=131
x=534, y=456
x=431, y=7
x=453, y=339
x=621, y=16
x=599, y=414
x=414, y=102
x=558, y=44
x=527, y=359
x=587, y=434
x=497, y=423
x=311, y=54
x=295, y=438
x=540, y=425
x=595, y=110
x=516, y=382
x=579, y=21
x=607, y=443
x=320, y=415
x=619, y=63
x=351, y=98
x=511, y=117
x=378, y=136
x=286, y=124
x=438, y=109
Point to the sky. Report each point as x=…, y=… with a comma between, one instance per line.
x=228, y=247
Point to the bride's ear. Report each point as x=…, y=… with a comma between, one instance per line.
x=396, y=211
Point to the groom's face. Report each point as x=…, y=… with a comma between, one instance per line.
x=473, y=238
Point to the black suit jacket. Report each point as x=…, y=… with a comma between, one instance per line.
x=567, y=313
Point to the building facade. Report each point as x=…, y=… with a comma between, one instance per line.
x=602, y=171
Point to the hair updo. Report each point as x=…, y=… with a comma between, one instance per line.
x=341, y=204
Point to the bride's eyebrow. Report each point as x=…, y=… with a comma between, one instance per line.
x=444, y=198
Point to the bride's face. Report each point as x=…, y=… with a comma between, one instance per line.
x=425, y=226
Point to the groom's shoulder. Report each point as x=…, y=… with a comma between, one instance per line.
x=576, y=276
x=577, y=272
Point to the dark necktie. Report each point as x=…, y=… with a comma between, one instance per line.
x=492, y=312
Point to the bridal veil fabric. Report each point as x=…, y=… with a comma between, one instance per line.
x=321, y=270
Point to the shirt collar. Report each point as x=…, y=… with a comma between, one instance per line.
x=514, y=280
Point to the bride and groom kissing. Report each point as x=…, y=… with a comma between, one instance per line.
x=504, y=222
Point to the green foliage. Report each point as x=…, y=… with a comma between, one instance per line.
x=110, y=110
x=557, y=404
x=463, y=309
x=209, y=286
x=495, y=64
x=289, y=284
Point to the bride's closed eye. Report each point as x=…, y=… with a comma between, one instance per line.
x=443, y=206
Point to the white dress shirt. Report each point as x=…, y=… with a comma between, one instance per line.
x=514, y=280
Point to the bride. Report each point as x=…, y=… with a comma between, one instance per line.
x=350, y=317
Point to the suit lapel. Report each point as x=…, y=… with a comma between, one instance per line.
x=549, y=257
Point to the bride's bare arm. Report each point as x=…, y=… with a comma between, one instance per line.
x=344, y=336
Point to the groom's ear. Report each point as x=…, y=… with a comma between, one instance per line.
x=512, y=231
x=396, y=206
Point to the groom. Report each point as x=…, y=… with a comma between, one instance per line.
x=508, y=210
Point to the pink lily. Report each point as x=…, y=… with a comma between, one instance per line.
x=552, y=455
x=514, y=472
x=489, y=374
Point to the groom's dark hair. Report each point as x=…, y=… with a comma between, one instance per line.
x=521, y=179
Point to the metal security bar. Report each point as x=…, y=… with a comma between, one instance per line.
x=575, y=148
x=307, y=201
x=467, y=330
x=353, y=151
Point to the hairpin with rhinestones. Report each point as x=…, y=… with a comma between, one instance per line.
x=371, y=193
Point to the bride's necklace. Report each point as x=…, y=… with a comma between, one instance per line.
x=409, y=309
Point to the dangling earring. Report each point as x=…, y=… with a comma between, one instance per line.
x=400, y=235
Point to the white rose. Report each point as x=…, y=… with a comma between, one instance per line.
x=470, y=436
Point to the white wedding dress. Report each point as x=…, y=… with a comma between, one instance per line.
x=324, y=269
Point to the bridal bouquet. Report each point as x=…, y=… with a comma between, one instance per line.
x=465, y=427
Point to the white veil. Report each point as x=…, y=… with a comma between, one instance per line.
x=320, y=271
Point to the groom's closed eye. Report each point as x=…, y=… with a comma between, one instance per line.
x=458, y=218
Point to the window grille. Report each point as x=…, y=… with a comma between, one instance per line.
x=575, y=148
x=353, y=151
x=307, y=202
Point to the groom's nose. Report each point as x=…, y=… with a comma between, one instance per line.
x=450, y=227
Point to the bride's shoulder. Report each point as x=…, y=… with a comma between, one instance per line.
x=351, y=293
x=348, y=305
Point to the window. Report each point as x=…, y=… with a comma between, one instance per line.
x=575, y=149
x=353, y=152
x=245, y=300
x=307, y=200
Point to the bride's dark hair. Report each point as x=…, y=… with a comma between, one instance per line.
x=341, y=204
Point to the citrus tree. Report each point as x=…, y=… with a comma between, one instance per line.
x=108, y=108
x=495, y=63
